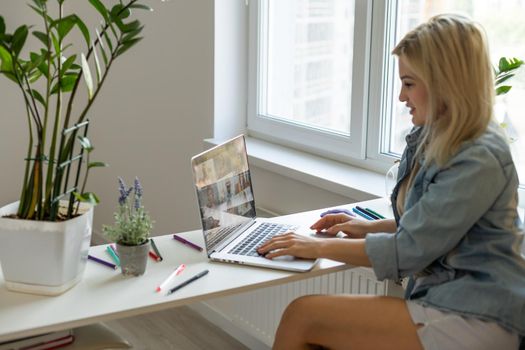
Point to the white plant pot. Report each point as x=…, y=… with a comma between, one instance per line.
x=43, y=257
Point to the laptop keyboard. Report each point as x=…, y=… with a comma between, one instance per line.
x=221, y=234
x=261, y=234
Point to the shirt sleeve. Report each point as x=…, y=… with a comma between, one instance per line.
x=454, y=200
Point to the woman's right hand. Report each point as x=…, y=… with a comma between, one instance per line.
x=332, y=224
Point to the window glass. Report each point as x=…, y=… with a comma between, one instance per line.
x=308, y=50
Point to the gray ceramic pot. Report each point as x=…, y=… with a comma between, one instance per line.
x=133, y=258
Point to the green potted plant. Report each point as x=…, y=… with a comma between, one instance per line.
x=49, y=228
x=131, y=229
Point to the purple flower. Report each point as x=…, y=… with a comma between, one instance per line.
x=138, y=193
x=124, y=193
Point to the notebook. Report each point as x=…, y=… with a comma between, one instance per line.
x=231, y=230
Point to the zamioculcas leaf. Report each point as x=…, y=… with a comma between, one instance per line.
x=19, y=39
x=6, y=62
x=108, y=41
x=140, y=6
x=2, y=25
x=88, y=197
x=83, y=28
x=102, y=48
x=97, y=165
x=87, y=75
x=503, y=78
x=35, y=76
x=64, y=26
x=127, y=45
x=100, y=8
x=66, y=65
x=97, y=64
x=503, y=90
x=133, y=33
x=41, y=36
x=118, y=11
x=67, y=82
x=85, y=143
x=39, y=97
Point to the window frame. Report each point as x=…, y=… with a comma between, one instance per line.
x=330, y=145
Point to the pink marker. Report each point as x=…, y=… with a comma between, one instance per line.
x=177, y=272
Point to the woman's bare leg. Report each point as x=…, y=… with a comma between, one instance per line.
x=347, y=322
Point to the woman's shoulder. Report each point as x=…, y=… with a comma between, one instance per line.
x=491, y=145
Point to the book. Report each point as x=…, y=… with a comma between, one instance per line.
x=45, y=341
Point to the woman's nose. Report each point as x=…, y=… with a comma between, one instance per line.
x=402, y=96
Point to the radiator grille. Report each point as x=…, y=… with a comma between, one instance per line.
x=258, y=312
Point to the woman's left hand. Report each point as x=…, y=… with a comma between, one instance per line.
x=291, y=244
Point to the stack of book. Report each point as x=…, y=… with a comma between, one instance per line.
x=48, y=341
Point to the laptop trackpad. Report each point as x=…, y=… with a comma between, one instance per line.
x=284, y=258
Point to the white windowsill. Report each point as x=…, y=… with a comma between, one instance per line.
x=343, y=179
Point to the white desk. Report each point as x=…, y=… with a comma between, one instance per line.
x=104, y=294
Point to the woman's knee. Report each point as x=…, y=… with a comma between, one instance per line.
x=302, y=309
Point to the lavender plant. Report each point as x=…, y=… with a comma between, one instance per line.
x=132, y=223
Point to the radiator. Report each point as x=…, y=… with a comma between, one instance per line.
x=258, y=313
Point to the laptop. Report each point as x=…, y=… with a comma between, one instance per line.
x=232, y=232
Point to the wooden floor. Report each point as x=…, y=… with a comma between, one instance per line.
x=177, y=328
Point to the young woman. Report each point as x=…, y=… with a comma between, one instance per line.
x=456, y=232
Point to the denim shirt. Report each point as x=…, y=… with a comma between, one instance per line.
x=459, y=239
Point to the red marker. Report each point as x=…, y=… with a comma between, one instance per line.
x=177, y=272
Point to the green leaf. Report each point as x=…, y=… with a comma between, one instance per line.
x=87, y=75
x=119, y=11
x=97, y=165
x=108, y=41
x=85, y=143
x=39, y=97
x=509, y=64
x=97, y=64
x=36, y=60
x=41, y=36
x=68, y=63
x=102, y=48
x=64, y=26
x=87, y=197
x=140, y=6
x=19, y=39
x=134, y=25
x=35, y=76
x=2, y=25
x=503, y=78
x=39, y=3
x=67, y=82
x=132, y=33
x=83, y=29
x=127, y=45
x=56, y=45
x=6, y=61
x=99, y=6
x=503, y=90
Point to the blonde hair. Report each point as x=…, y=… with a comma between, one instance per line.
x=449, y=53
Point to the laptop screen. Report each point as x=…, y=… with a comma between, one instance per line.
x=224, y=189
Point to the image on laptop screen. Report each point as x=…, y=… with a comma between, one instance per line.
x=224, y=188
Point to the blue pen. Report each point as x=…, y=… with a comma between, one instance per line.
x=372, y=215
x=359, y=212
x=337, y=211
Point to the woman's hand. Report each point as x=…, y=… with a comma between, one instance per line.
x=291, y=244
x=332, y=224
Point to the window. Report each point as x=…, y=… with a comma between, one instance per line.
x=323, y=79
